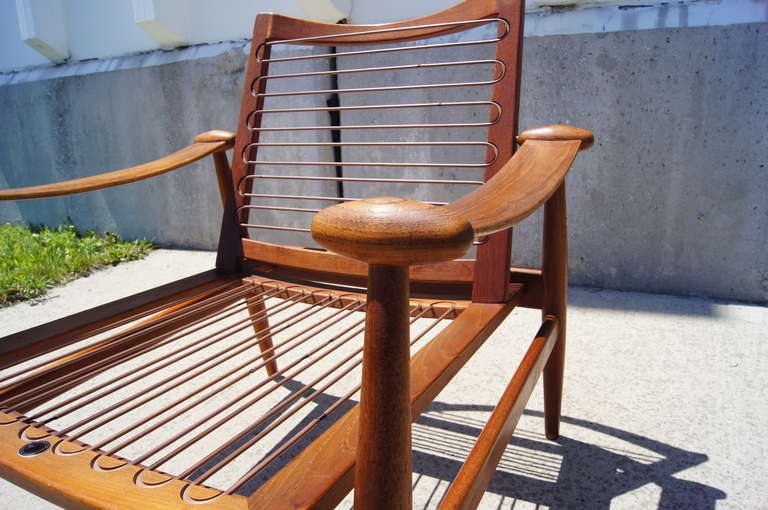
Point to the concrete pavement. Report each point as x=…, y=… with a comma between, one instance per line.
x=664, y=401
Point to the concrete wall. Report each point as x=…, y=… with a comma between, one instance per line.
x=86, y=124
x=670, y=199
x=674, y=195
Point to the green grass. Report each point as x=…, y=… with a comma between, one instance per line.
x=32, y=260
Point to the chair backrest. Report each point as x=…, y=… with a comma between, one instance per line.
x=332, y=113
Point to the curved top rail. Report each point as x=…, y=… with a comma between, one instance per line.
x=285, y=29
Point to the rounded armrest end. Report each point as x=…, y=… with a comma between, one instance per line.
x=555, y=132
x=216, y=135
x=392, y=231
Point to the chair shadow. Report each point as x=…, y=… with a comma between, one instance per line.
x=661, y=304
x=564, y=474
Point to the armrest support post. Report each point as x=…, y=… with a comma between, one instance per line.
x=389, y=234
x=223, y=175
x=383, y=466
x=555, y=275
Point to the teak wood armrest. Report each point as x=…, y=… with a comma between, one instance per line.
x=399, y=232
x=528, y=179
x=210, y=142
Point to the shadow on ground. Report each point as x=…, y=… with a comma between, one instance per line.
x=564, y=474
x=592, y=297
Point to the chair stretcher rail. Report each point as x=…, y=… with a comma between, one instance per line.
x=476, y=472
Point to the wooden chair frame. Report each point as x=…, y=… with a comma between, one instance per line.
x=398, y=249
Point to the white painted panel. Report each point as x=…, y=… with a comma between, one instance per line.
x=100, y=28
x=226, y=21
x=13, y=52
x=166, y=21
x=378, y=11
x=585, y=16
x=203, y=21
x=329, y=11
x=612, y=18
x=551, y=17
x=107, y=28
x=41, y=27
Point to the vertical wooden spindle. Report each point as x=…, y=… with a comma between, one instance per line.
x=260, y=321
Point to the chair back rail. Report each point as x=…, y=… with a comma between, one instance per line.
x=303, y=74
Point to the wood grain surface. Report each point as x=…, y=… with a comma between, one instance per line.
x=210, y=142
x=392, y=231
x=70, y=482
x=555, y=278
x=384, y=462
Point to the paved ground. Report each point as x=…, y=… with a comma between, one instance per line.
x=664, y=406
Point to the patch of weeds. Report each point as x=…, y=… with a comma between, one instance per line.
x=34, y=259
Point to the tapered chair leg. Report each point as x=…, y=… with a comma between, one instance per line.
x=256, y=309
x=555, y=274
x=553, y=389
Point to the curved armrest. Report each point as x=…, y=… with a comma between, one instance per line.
x=402, y=232
x=527, y=180
x=204, y=144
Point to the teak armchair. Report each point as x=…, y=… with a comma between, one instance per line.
x=191, y=393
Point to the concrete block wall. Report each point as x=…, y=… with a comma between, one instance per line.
x=83, y=125
x=671, y=199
